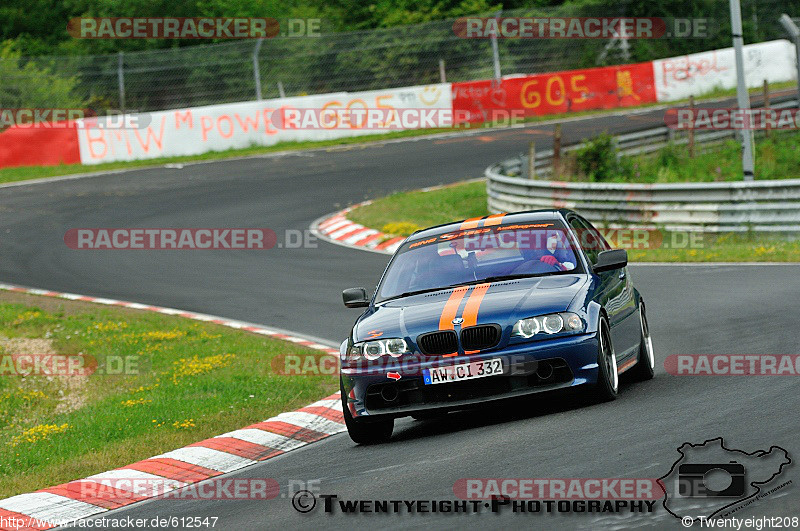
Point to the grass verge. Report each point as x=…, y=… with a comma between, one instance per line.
x=24, y=173
x=419, y=209
x=162, y=382
x=598, y=160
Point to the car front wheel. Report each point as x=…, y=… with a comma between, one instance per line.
x=363, y=431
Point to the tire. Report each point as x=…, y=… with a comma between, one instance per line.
x=607, y=386
x=366, y=432
x=646, y=364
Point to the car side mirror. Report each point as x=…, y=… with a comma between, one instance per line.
x=355, y=298
x=612, y=259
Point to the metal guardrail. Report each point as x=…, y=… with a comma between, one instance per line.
x=761, y=206
x=637, y=143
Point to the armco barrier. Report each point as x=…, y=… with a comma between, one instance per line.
x=636, y=143
x=761, y=206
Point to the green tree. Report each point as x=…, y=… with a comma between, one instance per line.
x=32, y=86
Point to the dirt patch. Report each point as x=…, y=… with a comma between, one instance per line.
x=70, y=387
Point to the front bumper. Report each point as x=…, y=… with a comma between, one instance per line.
x=528, y=367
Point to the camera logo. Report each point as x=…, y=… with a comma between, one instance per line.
x=709, y=480
x=703, y=480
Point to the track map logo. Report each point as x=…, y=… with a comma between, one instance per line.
x=711, y=481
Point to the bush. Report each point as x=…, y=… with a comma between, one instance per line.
x=26, y=85
x=671, y=155
x=597, y=158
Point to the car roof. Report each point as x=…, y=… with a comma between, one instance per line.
x=527, y=216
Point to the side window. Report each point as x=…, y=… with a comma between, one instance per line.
x=589, y=239
x=603, y=245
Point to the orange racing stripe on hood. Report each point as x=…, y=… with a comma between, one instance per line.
x=470, y=314
x=451, y=308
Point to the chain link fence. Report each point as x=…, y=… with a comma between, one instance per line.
x=246, y=70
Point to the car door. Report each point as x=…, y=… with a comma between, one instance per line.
x=616, y=291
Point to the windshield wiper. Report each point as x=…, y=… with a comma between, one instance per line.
x=498, y=278
x=417, y=292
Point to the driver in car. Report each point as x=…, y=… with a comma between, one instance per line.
x=555, y=254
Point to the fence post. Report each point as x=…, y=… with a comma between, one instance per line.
x=691, y=129
x=256, y=69
x=121, y=81
x=496, y=52
x=557, y=151
x=442, y=75
x=281, y=93
x=766, y=106
x=532, y=160
x=794, y=32
x=742, y=96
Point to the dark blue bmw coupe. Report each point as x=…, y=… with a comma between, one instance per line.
x=492, y=308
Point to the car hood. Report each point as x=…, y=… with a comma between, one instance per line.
x=503, y=303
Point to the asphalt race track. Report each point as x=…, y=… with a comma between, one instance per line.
x=692, y=310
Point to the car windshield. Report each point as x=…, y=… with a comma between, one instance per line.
x=471, y=256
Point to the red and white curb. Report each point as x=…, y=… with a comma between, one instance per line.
x=336, y=228
x=47, y=508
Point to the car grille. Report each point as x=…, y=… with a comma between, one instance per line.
x=480, y=337
x=552, y=374
x=438, y=343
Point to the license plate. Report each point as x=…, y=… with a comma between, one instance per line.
x=463, y=371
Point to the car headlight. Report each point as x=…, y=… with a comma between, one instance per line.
x=553, y=323
x=373, y=350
